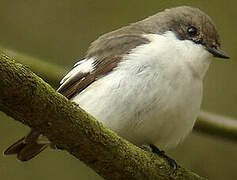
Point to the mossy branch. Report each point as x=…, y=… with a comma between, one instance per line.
x=51, y=72
x=207, y=123
x=28, y=99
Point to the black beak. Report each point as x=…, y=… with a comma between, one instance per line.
x=217, y=52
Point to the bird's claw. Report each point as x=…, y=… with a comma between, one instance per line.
x=162, y=154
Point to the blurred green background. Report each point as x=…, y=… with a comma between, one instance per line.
x=59, y=31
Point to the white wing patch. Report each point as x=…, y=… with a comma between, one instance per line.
x=83, y=66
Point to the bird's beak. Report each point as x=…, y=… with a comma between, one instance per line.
x=217, y=52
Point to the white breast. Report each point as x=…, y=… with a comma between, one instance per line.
x=154, y=95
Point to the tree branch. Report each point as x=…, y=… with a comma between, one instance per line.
x=28, y=99
x=207, y=123
x=216, y=125
x=50, y=71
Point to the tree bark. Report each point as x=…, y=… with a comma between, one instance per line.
x=28, y=99
x=207, y=123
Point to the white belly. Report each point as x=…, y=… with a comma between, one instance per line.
x=141, y=110
x=154, y=95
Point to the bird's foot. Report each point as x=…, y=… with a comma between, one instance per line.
x=56, y=147
x=162, y=154
x=146, y=148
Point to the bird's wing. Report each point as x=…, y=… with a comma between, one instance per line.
x=103, y=56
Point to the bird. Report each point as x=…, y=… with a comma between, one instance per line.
x=144, y=81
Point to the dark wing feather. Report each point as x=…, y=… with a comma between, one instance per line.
x=75, y=83
x=107, y=53
x=27, y=147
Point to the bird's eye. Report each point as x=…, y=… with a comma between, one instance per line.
x=192, y=31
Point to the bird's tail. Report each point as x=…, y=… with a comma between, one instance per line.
x=29, y=146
